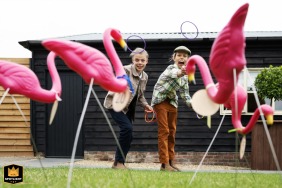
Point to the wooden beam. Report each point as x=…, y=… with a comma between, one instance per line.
x=12, y=142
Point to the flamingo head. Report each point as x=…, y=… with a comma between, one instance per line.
x=268, y=113
x=57, y=93
x=269, y=119
x=191, y=78
x=190, y=71
x=116, y=34
x=58, y=98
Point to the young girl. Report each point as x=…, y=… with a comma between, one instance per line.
x=124, y=119
x=165, y=103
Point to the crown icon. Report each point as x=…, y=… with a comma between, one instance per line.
x=13, y=172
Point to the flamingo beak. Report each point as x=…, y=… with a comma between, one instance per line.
x=191, y=78
x=123, y=44
x=54, y=109
x=242, y=146
x=58, y=98
x=269, y=119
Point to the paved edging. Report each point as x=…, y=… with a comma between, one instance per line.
x=57, y=162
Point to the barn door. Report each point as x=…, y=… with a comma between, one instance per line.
x=61, y=134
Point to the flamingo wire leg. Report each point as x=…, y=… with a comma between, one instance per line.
x=245, y=158
x=243, y=141
x=19, y=108
x=78, y=132
x=112, y=129
x=236, y=94
x=4, y=95
x=31, y=136
x=193, y=177
x=110, y=125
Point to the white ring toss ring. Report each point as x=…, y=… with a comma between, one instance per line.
x=120, y=100
x=202, y=104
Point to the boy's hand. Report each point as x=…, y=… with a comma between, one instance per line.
x=182, y=71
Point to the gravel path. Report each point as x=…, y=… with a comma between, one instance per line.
x=54, y=162
x=154, y=166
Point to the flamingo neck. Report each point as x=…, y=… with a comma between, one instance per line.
x=49, y=96
x=56, y=81
x=249, y=127
x=212, y=89
x=118, y=67
x=204, y=70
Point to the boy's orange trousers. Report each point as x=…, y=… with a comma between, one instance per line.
x=166, y=118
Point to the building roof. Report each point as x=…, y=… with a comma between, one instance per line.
x=167, y=36
x=171, y=35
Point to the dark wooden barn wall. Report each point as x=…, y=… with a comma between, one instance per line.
x=39, y=114
x=192, y=133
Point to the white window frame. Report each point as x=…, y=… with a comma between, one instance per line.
x=247, y=82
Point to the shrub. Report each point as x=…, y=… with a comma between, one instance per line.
x=269, y=83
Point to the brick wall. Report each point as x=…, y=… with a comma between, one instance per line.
x=189, y=158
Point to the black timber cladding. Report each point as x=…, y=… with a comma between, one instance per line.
x=192, y=133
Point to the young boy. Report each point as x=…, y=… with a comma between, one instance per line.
x=124, y=119
x=165, y=104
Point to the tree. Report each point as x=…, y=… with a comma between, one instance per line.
x=269, y=83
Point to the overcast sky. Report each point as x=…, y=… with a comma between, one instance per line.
x=22, y=20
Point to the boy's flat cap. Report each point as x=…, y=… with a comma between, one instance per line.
x=182, y=48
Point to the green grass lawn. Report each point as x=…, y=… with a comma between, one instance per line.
x=102, y=178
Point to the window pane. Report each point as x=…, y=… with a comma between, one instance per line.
x=241, y=78
x=250, y=81
x=252, y=104
x=278, y=105
x=267, y=101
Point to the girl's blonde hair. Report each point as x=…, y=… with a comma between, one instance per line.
x=139, y=51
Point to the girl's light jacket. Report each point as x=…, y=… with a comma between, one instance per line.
x=135, y=80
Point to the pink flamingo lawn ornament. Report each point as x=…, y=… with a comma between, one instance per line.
x=92, y=65
x=227, y=55
x=18, y=79
x=227, y=60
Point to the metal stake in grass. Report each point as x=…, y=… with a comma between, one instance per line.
x=193, y=177
x=31, y=136
x=79, y=129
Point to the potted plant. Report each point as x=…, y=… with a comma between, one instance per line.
x=268, y=84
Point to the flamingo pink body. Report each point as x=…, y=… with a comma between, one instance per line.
x=227, y=54
x=90, y=63
x=21, y=80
